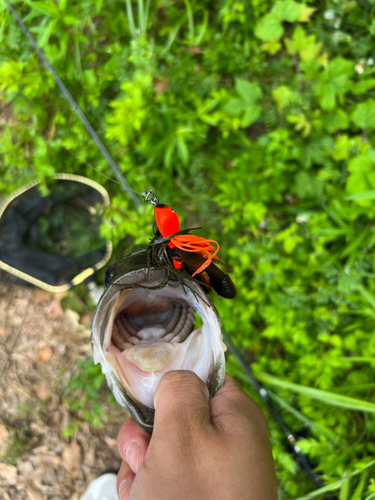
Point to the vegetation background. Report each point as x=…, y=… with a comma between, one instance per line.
x=256, y=120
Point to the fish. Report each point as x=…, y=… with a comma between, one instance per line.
x=154, y=317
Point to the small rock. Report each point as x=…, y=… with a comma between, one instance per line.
x=4, y=434
x=4, y=495
x=86, y=319
x=43, y=391
x=25, y=468
x=41, y=297
x=90, y=457
x=72, y=457
x=8, y=473
x=33, y=494
x=73, y=317
x=112, y=443
x=56, y=310
x=5, y=331
x=44, y=355
x=37, y=428
x=56, y=418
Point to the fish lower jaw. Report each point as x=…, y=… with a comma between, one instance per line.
x=141, y=367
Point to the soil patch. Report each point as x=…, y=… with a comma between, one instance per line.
x=40, y=345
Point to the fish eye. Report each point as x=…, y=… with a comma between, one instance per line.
x=109, y=275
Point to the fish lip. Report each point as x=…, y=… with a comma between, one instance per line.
x=129, y=279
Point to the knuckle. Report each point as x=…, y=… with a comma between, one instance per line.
x=178, y=376
x=179, y=383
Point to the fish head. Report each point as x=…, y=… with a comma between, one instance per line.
x=148, y=322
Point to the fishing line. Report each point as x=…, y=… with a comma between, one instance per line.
x=298, y=455
x=77, y=109
x=93, y=168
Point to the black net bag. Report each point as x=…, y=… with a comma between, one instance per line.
x=53, y=241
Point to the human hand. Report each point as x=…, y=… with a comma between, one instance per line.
x=199, y=449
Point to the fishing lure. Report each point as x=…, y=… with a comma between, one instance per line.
x=194, y=255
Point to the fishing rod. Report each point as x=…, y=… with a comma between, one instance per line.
x=298, y=455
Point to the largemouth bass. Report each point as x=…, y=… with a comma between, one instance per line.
x=155, y=317
x=139, y=334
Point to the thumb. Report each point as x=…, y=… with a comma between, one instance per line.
x=181, y=401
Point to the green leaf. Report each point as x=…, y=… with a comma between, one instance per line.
x=250, y=92
x=235, y=106
x=361, y=179
x=286, y=10
x=327, y=92
x=129, y=13
x=271, y=47
x=361, y=195
x=334, y=82
x=269, y=29
x=182, y=149
x=168, y=154
x=326, y=397
x=43, y=40
x=283, y=96
x=336, y=120
x=334, y=486
x=364, y=114
x=252, y=113
x=362, y=86
x=319, y=427
x=173, y=34
x=357, y=495
x=306, y=46
x=344, y=490
x=367, y=295
x=305, y=13
x=45, y=8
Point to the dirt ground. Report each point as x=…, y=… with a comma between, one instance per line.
x=39, y=347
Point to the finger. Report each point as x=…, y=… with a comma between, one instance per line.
x=181, y=401
x=231, y=405
x=125, y=478
x=132, y=444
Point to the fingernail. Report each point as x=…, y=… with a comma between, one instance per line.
x=124, y=485
x=132, y=455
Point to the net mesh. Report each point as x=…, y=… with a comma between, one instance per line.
x=53, y=237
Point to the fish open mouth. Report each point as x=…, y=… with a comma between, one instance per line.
x=152, y=317
x=146, y=325
x=153, y=332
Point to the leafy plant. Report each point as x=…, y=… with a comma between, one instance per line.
x=84, y=397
